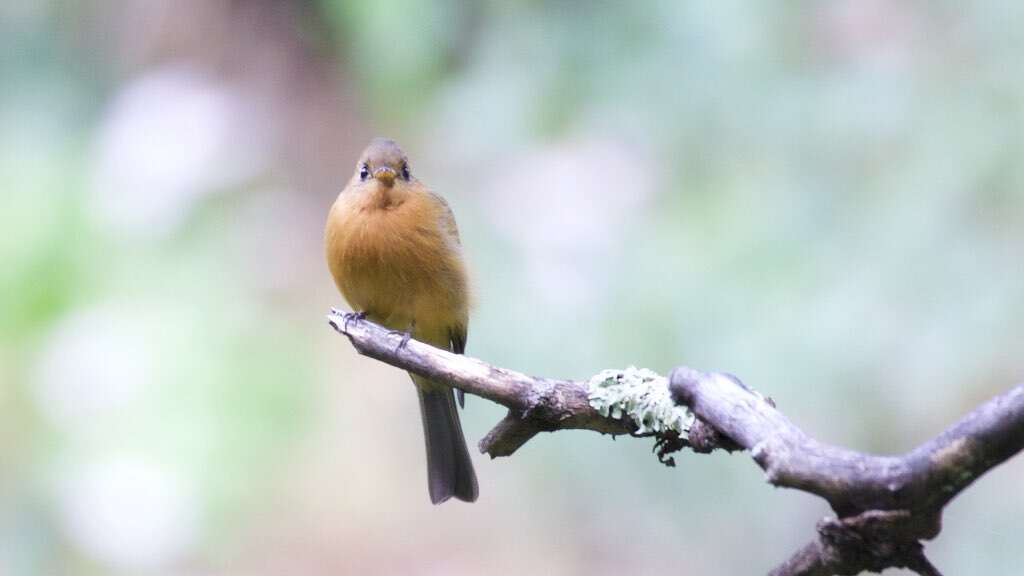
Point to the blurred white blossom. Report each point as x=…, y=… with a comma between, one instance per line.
x=94, y=362
x=566, y=205
x=129, y=512
x=170, y=137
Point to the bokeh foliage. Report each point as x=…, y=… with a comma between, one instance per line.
x=823, y=198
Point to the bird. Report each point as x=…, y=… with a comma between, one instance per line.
x=394, y=252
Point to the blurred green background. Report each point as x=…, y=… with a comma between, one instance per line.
x=824, y=198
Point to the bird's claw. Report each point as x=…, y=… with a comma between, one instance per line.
x=351, y=317
x=406, y=336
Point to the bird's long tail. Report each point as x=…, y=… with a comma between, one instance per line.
x=449, y=469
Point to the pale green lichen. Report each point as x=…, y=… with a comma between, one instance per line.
x=643, y=396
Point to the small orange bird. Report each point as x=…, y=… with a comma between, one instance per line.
x=394, y=251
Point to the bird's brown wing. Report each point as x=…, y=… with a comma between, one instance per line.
x=447, y=218
x=457, y=334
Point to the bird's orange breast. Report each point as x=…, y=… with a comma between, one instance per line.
x=397, y=263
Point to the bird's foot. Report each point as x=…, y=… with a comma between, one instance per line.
x=406, y=336
x=351, y=317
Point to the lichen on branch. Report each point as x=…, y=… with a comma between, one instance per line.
x=642, y=395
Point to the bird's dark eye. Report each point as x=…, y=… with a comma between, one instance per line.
x=364, y=171
x=405, y=171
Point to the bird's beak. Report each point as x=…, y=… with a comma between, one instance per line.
x=385, y=175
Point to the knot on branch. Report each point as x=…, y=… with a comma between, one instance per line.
x=704, y=439
x=872, y=541
x=547, y=406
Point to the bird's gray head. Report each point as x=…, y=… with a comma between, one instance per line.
x=383, y=161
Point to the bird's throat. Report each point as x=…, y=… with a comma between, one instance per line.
x=386, y=197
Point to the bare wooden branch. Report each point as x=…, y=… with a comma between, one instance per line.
x=886, y=505
x=535, y=404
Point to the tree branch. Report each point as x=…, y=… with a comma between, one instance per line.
x=885, y=504
x=535, y=404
